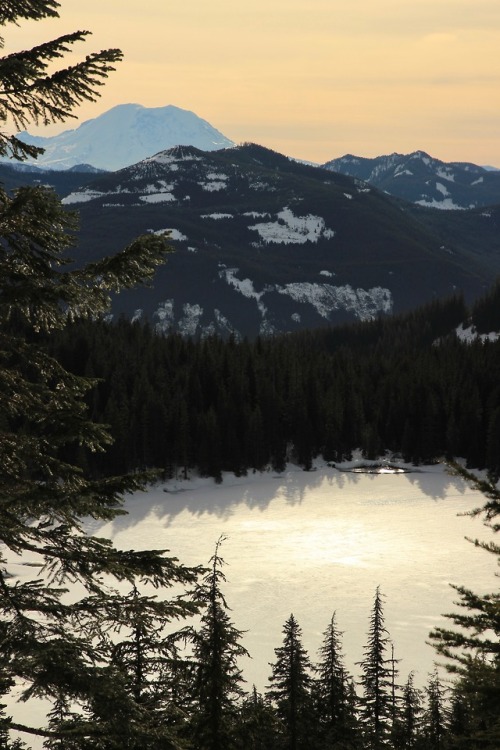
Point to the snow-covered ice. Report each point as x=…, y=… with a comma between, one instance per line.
x=316, y=542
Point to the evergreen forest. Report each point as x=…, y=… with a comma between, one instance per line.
x=406, y=385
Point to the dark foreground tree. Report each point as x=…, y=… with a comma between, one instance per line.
x=218, y=676
x=376, y=680
x=406, y=730
x=142, y=666
x=473, y=647
x=48, y=643
x=336, y=716
x=290, y=690
x=435, y=719
x=5, y=685
x=257, y=724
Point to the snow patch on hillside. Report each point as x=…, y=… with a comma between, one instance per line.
x=160, y=186
x=245, y=287
x=325, y=298
x=291, y=229
x=216, y=217
x=223, y=325
x=172, y=234
x=83, y=196
x=213, y=186
x=442, y=189
x=446, y=204
x=469, y=335
x=167, y=157
x=261, y=186
x=164, y=316
x=446, y=174
x=158, y=198
x=190, y=320
x=157, y=192
x=364, y=303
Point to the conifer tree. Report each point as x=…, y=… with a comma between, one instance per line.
x=473, y=648
x=290, y=689
x=43, y=497
x=406, y=731
x=376, y=681
x=331, y=691
x=143, y=660
x=257, y=724
x=218, y=677
x=5, y=686
x=435, y=714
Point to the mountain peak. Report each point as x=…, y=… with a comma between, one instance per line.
x=126, y=134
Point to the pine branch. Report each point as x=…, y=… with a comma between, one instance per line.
x=29, y=94
x=13, y=10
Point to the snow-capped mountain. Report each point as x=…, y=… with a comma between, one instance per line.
x=265, y=244
x=421, y=179
x=124, y=135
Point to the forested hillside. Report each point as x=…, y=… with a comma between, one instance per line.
x=406, y=385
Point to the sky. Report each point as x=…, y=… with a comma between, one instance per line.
x=313, y=79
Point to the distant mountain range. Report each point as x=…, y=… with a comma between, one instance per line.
x=124, y=135
x=265, y=244
x=423, y=180
x=129, y=133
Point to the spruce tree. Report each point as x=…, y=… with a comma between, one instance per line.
x=376, y=681
x=141, y=656
x=406, y=730
x=257, y=724
x=290, y=689
x=218, y=677
x=331, y=692
x=435, y=714
x=48, y=642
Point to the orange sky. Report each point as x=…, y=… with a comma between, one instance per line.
x=314, y=79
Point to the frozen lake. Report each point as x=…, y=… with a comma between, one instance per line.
x=314, y=542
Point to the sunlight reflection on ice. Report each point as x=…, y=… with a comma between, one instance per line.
x=314, y=542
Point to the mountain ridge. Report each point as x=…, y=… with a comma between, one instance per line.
x=424, y=180
x=265, y=244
